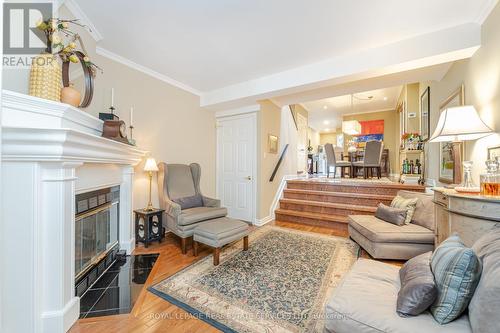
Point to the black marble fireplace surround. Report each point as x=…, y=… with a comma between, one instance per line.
x=116, y=291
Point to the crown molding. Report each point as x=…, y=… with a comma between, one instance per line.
x=148, y=71
x=485, y=11
x=78, y=13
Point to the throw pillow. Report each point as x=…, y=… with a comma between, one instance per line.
x=457, y=271
x=189, y=202
x=418, y=290
x=408, y=204
x=392, y=215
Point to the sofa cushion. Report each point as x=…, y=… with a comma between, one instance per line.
x=392, y=215
x=365, y=301
x=380, y=231
x=485, y=304
x=424, y=211
x=456, y=270
x=197, y=214
x=189, y=202
x=418, y=289
x=408, y=204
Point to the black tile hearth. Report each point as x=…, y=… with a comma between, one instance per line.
x=116, y=291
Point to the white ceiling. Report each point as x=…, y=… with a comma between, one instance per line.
x=208, y=45
x=332, y=109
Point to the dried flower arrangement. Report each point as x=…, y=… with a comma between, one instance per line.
x=62, y=41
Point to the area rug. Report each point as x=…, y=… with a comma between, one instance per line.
x=281, y=284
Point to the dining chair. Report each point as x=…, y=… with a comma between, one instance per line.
x=371, y=160
x=331, y=161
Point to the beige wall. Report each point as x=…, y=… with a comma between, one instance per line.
x=391, y=132
x=328, y=138
x=481, y=78
x=168, y=121
x=269, y=122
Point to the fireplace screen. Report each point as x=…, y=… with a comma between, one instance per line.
x=96, y=227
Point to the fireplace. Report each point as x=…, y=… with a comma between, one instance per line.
x=96, y=235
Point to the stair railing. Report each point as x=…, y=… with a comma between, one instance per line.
x=282, y=156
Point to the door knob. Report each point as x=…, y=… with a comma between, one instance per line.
x=248, y=177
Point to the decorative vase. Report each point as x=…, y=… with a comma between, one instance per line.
x=46, y=77
x=71, y=96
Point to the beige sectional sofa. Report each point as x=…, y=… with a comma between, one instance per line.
x=365, y=300
x=383, y=240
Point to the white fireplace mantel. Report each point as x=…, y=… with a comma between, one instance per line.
x=47, y=148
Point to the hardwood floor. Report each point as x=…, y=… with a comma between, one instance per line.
x=153, y=314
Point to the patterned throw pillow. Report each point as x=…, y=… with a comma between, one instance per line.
x=408, y=204
x=457, y=271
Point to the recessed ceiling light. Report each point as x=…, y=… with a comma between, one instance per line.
x=327, y=130
x=325, y=107
x=385, y=98
x=326, y=122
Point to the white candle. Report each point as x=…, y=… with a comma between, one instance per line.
x=131, y=115
x=113, y=97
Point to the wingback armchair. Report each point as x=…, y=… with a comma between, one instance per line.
x=180, y=196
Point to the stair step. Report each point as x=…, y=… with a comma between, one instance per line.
x=346, y=186
x=365, y=199
x=329, y=208
x=336, y=222
x=284, y=214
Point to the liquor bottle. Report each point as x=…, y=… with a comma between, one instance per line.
x=490, y=181
x=412, y=166
x=417, y=166
x=404, y=166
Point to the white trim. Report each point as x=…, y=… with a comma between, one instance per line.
x=485, y=11
x=234, y=112
x=253, y=117
x=148, y=71
x=279, y=194
x=54, y=321
x=265, y=220
x=78, y=13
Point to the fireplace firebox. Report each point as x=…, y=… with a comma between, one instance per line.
x=96, y=235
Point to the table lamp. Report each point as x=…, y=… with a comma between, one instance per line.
x=457, y=124
x=150, y=166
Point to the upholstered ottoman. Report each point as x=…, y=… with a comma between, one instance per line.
x=219, y=232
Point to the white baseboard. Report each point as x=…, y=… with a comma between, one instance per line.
x=265, y=220
x=279, y=193
x=61, y=320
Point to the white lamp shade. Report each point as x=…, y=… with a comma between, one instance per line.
x=150, y=165
x=351, y=127
x=461, y=123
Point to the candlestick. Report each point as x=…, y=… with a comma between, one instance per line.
x=131, y=116
x=131, y=140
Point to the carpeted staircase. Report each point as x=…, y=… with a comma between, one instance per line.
x=328, y=202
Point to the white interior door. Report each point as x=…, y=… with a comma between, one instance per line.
x=236, y=165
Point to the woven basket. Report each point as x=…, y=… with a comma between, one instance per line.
x=46, y=77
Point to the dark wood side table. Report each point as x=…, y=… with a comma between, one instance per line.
x=149, y=226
